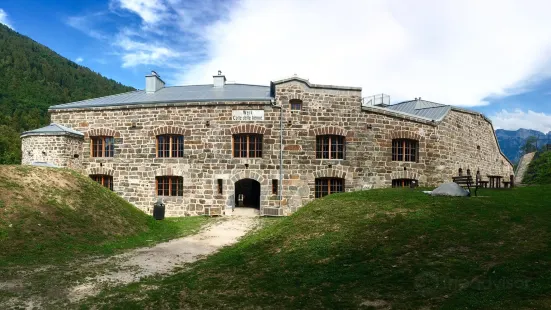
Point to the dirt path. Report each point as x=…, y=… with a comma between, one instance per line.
x=164, y=257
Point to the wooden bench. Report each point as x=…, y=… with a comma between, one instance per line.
x=466, y=180
x=506, y=184
x=483, y=184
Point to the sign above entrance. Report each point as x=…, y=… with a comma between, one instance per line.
x=248, y=115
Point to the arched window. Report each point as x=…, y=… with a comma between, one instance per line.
x=103, y=179
x=170, y=146
x=330, y=147
x=102, y=146
x=169, y=185
x=296, y=104
x=328, y=186
x=403, y=182
x=247, y=145
x=405, y=150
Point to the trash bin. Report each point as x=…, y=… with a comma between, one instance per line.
x=159, y=210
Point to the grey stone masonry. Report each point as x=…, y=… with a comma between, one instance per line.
x=463, y=139
x=523, y=164
x=60, y=150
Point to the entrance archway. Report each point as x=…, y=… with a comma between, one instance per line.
x=249, y=191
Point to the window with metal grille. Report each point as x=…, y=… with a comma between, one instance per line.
x=102, y=146
x=275, y=187
x=103, y=179
x=170, y=146
x=330, y=147
x=402, y=182
x=170, y=186
x=247, y=145
x=327, y=186
x=296, y=104
x=405, y=150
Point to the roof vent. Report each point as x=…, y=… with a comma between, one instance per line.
x=153, y=82
x=219, y=80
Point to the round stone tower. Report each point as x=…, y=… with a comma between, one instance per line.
x=54, y=145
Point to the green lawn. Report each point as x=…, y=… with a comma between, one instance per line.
x=52, y=216
x=539, y=170
x=377, y=249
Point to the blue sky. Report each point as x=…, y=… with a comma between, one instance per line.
x=490, y=56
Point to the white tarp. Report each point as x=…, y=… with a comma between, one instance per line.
x=449, y=189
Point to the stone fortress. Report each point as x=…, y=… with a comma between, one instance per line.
x=207, y=149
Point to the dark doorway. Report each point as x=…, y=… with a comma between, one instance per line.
x=249, y=191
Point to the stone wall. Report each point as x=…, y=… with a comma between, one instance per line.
x=208, y=130
x=462, y=140
x=62, y=151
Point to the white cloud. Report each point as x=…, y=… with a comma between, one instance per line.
x=79, y=60
x=455, y=52
x=519, y=119
x=87, y=24
x=170, y=32
x=152, y=53
x=155, y=57
x=4, y=18
x=150, y=11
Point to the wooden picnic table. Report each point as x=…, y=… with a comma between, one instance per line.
x=495, y=181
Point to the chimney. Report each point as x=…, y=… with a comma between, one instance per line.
x=153, y=82
x=219, y=80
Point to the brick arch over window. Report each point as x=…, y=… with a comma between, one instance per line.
x=105, y=132
x=287, y=98
x=248, y=128
x=330, y=130
x=404, y=175
x=295, y=96
x=170, y=130
x=404, y=134
x=229, y=187
x=247, y=175
x=100, y=170
x=169, y=171
x=330, y=173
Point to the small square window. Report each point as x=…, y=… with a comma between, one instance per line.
x=296, y=104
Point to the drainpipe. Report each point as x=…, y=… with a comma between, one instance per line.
x=280, y=151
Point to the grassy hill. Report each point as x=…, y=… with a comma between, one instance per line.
x=379, y=249
x=32, y=78
x=52, y=215
x=539, y=170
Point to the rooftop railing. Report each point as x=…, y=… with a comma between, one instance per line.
x=380, y=100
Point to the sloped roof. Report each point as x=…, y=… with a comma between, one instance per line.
x=421, y=108
x=190, y=93
x=53, y=130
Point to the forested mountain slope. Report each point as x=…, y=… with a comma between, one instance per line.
x=32, y=78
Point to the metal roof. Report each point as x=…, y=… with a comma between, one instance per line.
x=421, y=108
x=190, y=93
x=52, y=130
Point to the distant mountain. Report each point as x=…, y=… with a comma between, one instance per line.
x=32, y=78
x=512, y=141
